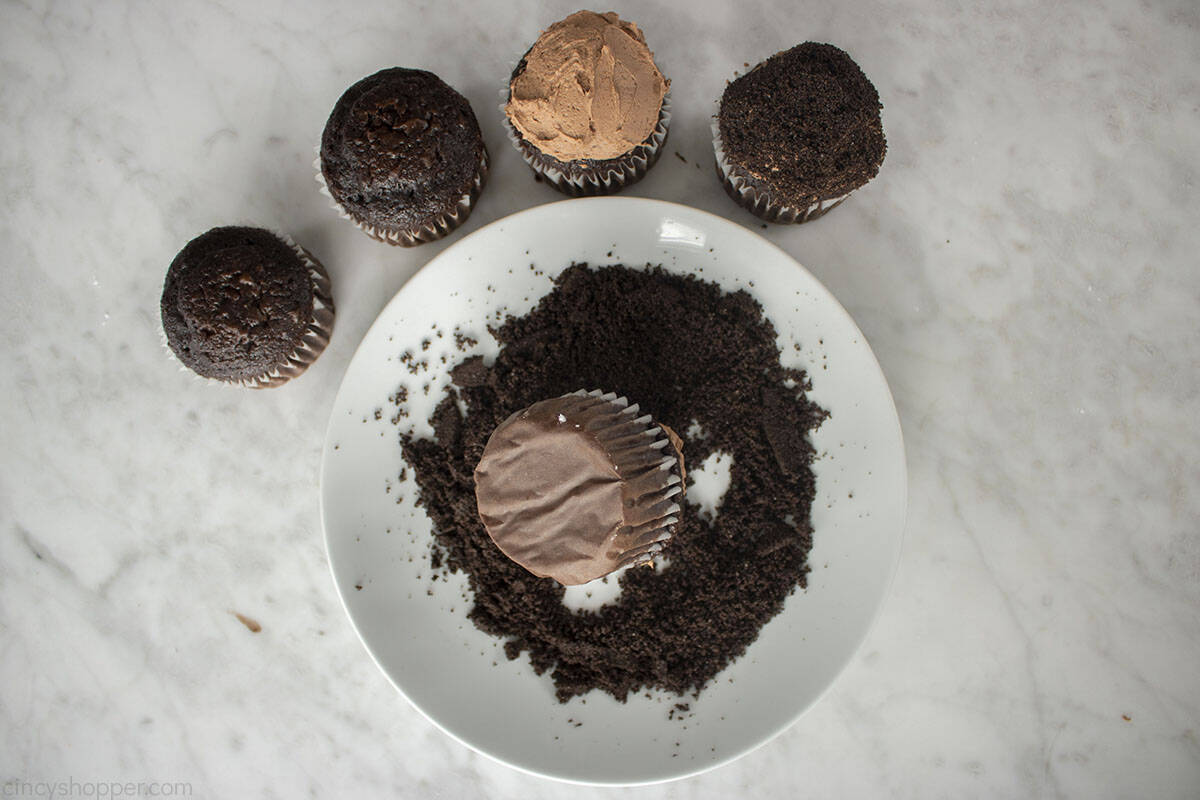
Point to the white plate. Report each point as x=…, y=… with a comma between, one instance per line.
x=416, y=629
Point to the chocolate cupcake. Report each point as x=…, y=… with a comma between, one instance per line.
x=576, y=487
x=798, y=133
x=587, y=107
x=242, y=305
x=402, y=157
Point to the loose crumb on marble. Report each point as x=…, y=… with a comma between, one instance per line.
x=249, y=623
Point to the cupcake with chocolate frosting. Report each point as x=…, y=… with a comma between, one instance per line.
x=576, y=487
x=587, y=107
x=798, y=133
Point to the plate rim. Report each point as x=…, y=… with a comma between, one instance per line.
x=448, y=255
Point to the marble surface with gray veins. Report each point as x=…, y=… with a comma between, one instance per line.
x=1025, y=268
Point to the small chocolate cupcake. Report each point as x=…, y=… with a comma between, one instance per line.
x=587, y=107
x=402, y=157
x=798, y=133
x=242, y=305
x=578, y=486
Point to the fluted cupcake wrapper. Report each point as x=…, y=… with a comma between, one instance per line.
x=432, y=230
x=600, y=177
x=646, y=458
x=759, y=202
x=312, y=343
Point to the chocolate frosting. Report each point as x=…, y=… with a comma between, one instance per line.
x=236, y=303
x=401, y=148
x=587, y=89
x=578, y=486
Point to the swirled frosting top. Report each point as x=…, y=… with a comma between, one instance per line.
x=588, y=88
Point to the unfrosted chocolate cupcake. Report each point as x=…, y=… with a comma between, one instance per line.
x=587, y=107
x=576, y=487
x=242, y=305
x=798, y=133
x=402, y=156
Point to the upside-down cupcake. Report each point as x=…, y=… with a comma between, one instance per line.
x=798, y=133
x=242, y=305
x=576, y=487
x=587, y=107
x=402, y=156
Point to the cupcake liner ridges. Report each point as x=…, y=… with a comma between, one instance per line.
x=589, y=177
x=433, y=229
x=316, y=336
x=657, y=476
x=758, y=201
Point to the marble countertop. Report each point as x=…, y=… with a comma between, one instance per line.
x=1024, y=267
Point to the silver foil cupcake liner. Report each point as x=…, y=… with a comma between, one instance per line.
x=607, y=176
x=429, y=232
x=312, y=343
x=757, y=201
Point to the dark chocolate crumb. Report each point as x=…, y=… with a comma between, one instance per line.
x=470, y=373
x=685, y=350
